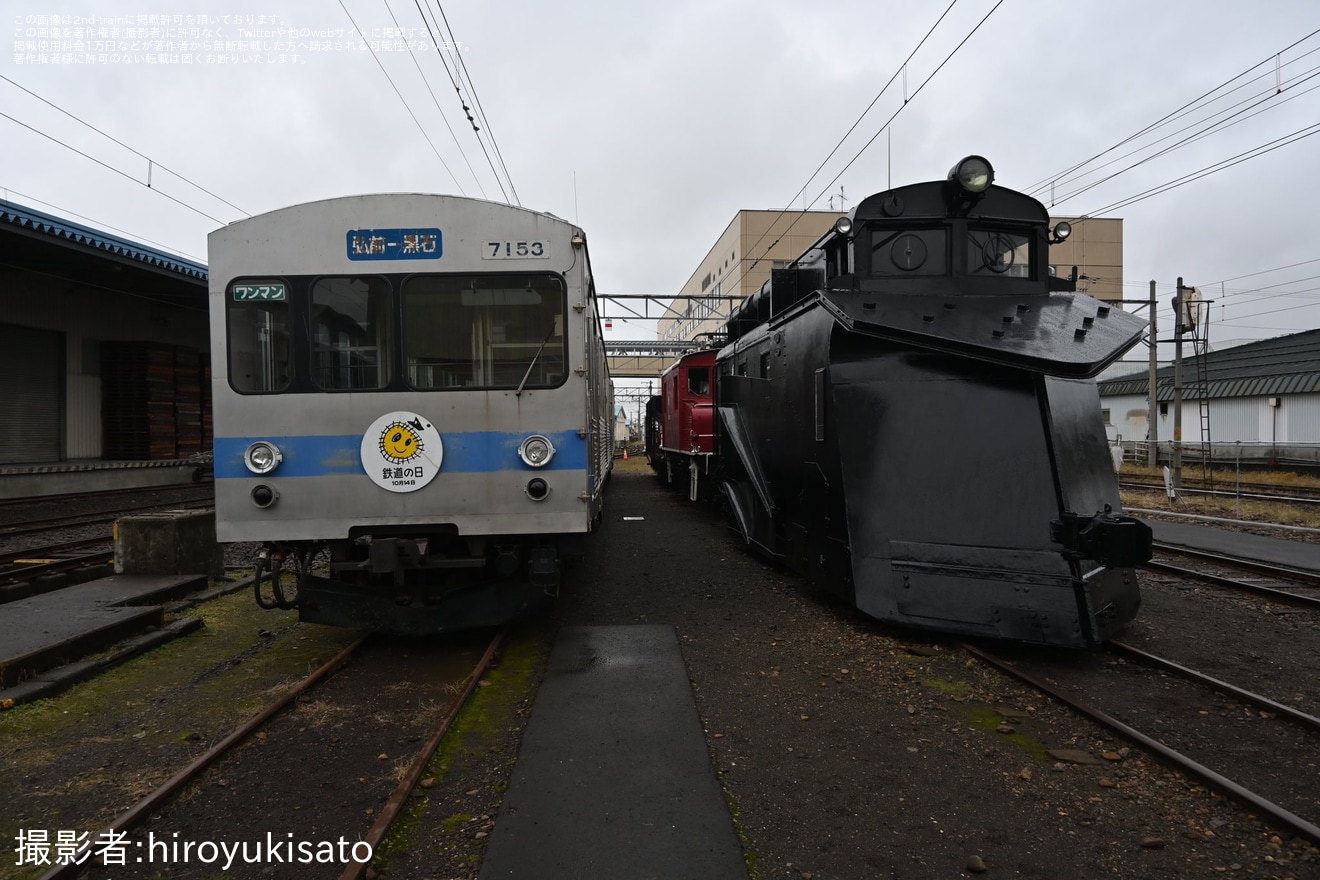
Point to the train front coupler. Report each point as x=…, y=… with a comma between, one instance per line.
x=1110, y=539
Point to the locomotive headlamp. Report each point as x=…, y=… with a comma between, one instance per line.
x=262, y=457
x=843, y=225
x=1061, y=230
x=536, y=451
x=973, y=174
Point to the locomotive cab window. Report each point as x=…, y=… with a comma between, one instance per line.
x=699, y=380
x=909, y=252
x=257, y=328
x=993, y=252
x=350, y=319
x=484, y=331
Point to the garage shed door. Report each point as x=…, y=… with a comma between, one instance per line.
x=31, y=394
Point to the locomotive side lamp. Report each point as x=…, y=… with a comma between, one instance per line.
x=1061, y=231
x=843, y=225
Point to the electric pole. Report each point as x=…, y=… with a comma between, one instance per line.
x=1152, y=403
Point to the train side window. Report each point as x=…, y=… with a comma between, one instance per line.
x=764, y=365
x=257, y=331
x=742, y=367
x=350, y=326
x=699, y=380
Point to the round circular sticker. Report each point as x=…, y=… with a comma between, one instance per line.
x=401, y=452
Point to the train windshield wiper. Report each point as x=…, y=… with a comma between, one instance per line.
x=519, y=392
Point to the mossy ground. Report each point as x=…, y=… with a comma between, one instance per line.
x=75, y=760
x=469, y=771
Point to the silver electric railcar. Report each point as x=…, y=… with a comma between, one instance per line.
x=412, y=407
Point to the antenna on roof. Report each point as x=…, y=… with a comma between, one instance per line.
x=843, y=200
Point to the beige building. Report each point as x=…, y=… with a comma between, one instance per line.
x=738, y=264
x=757, y=241
x=1096, y=249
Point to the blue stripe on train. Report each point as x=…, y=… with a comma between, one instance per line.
x=474, y=452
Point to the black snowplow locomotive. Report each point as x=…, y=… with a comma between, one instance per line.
x=906, y=415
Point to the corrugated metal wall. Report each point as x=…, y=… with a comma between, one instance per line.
x=1296, y=420
x=1303, y=418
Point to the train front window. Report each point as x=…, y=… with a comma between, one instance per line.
x=350, y=321
x=992, y=252
x=484, y=331
x=257, y=326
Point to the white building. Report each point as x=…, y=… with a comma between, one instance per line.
x=1261, y=401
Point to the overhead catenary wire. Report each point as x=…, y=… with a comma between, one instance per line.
x=476, y=102
x=746, y=264
x=902, y=67
x=436, y=101
x=1213, y=168
x=906, y=102
x=457, y=80
x=1172, y=115
x=110, y=167
x=402, y=99
x=1242, y=114
x=116, y=140
x=98, y=224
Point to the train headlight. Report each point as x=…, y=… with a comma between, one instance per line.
x=262, y=457
x=536, y=451
x=973, y=174
x=1061, y=230
x=843, y=225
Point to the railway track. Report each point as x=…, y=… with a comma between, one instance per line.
x=1282, y=584
x=87, y=543
x=215, y=777
x=1233, y=713
x=1136, y=698
x=36, y=562
x=84, y=498
x=79, y=520
x=1300, y=494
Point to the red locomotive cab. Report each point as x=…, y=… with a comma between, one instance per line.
x=687, y=436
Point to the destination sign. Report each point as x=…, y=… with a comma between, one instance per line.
x=394, y=244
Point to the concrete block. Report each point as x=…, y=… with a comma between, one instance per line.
x=171, y=542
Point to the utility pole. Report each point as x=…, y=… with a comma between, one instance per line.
x=1153, y=406
x=1177, y=385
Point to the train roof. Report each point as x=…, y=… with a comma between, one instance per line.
x=929, y=199
x=401, y=196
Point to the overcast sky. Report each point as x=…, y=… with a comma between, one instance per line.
x=652, y=124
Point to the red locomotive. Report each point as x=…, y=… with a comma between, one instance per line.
x=686, y=423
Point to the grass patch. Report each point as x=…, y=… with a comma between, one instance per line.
x=990, y=720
